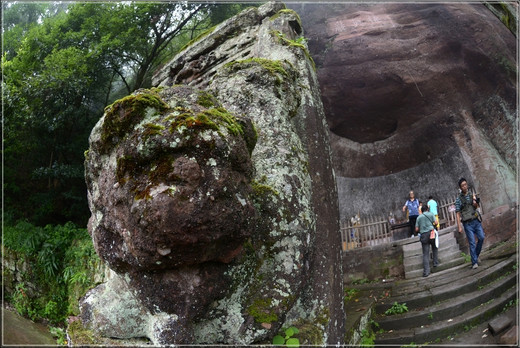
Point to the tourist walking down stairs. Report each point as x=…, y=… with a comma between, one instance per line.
x=424, y=225
x=466, y=206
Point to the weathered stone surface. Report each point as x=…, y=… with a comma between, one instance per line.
x=499, y=324
x=416, y=96
x=169, y=189
x=223, y=231
x=175, y=184
x=510, y=337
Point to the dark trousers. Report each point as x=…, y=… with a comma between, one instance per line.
x=426, y=243
x=412, y=219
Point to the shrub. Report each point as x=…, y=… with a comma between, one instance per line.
x=397, y=308
x=61, y=259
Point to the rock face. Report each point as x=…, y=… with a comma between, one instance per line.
x=213, y=197
x=416, y=96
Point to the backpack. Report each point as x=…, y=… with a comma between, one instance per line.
x=467, y=210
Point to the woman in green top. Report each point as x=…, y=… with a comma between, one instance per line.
x=424, y=225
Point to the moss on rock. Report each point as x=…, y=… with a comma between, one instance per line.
x=274, y=67
x=128, y=111
x=207, y=99
x=262, y=310
x=298, y=43
x=81, y=336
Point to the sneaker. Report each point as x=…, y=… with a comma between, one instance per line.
x=475, y=266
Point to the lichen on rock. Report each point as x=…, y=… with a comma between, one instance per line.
x=169, y=190
x=216, y=206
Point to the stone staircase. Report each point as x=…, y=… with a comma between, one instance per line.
x=452, y=300
x=449, y=254
x=447, y=302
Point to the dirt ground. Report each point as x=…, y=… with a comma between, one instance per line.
x=17, y=331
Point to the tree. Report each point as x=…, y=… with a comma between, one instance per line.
x=62, y=66
x=49, y=103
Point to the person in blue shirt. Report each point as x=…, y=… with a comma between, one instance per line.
x=424, y=226
x=432, y=205
x=412, y=204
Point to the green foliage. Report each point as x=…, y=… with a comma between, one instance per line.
x=350, y=294
x=60, y=69
x=467, y=258
x=510, y=304
x=397, y=308
x=367, y=338
x=22, y=302
x=51, y=311
x=287, y=339
x=361, y=281
x=23, y=237
x=60, y=259
x=59, y=334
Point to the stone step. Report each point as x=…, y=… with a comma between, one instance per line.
x=444, y=254
x=448, y=309
x=446, y=284
x=416, y=273
x=415, y=247
x=447, y=275
x=442, y=329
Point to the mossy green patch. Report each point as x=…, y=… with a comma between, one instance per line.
x=128, y=111
x=263, y=191
x=274, y=67
x=152, y=129
x=298, y=43
x=207, y=100
x=207, y=119
x=191, y=121
x=309, y=333
x=81, y=336
x=262, y=310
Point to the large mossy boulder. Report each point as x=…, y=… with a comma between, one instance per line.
x=213, y=197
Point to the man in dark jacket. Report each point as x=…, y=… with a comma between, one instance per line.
x=466, y=206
